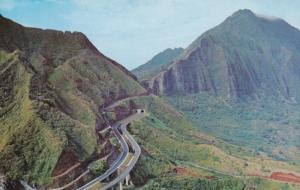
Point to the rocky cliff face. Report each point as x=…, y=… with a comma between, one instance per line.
x=52, y=85
x=246, y=55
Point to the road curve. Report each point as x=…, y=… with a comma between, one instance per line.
x=115, y=164
x=116, y=103
x=125, y=150
x=137, y=153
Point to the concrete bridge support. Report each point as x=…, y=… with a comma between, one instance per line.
x=127, y=180
x=121, y=182
x=121, y=185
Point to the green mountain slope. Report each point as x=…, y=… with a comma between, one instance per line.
x=157, y=63
x=29, y=148
x=176, y=155
x=52, y=85
x=239, y=81
x=267, y=126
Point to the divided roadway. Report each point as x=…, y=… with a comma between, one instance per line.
x=122, y=157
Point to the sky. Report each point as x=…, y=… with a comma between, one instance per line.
x=133, y=31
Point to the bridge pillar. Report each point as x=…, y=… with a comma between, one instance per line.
x=127, y=180
x=121, y=185
x=121, y=182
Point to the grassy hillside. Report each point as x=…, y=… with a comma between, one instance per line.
x=90, y=81
x=52, y=86
x=176, y=154
x=265, y=125
x=29, y=149
x=188, y=183
x=40, y=118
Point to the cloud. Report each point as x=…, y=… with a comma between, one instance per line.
x=7, y=4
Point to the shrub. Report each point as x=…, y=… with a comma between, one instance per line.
x=98, y=167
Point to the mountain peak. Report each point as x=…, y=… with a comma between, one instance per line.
x=243, y=12
x=237, y=58
x=247, y=13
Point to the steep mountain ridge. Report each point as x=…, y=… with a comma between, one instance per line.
x=240, y=82
x=246, y=55
x=38, y=41
x=53, y=84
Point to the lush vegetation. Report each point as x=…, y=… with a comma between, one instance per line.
x=29, y=150
x=266, y=125
x=98, y=167
x=174, y=150
x=189, y=183
x=42, y=113
x=50, y=91
x=268, y=184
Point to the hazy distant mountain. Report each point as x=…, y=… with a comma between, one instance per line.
x=157, y=63
x=246, y=55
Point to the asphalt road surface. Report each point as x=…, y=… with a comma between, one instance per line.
x=122, y=157
x=137, y=153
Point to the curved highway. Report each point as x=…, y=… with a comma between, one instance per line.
x=115, y=164
x=137, y=153
x=122, y=157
